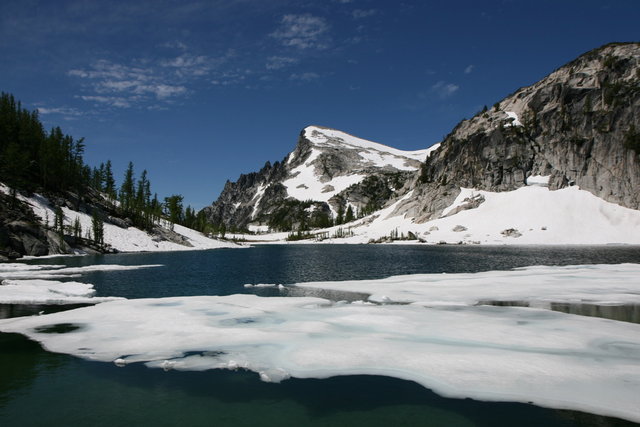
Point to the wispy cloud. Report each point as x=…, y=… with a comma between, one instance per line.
x=60, y=110
x=279, y=62
x=302, y=31
x=123, y=86
x=188, y=64
x=361, y=13
x=469, y=69
x=112, y=101
x=304, y=77
x=176, y=44
x=232, y=76
x=67, y=113
x=444, y=90
x=143, y=82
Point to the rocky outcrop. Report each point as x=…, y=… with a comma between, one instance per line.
x=162, y=234
x=578, y=126
x=20, y=233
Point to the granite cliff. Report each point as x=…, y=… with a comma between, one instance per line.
x=578, y=126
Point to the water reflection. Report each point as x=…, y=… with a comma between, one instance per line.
x=225, y=271
x=21, y=362
x=71, y=391
x=620, y=312
x=623, y=313
x=19, y=310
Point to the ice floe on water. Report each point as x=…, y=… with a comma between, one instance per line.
x=20, y=271
x=537, y=285
x=41, y=284
x=38, y=291
x=441, y=338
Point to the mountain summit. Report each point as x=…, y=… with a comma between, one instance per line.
x=321, y=176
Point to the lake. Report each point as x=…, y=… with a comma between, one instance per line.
x=42, y=388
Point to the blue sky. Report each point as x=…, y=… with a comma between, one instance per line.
x=197, y=92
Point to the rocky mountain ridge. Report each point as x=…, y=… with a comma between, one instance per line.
x=327, y=173
x=579, y=126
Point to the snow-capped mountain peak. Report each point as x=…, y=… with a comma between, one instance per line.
x=323, y=166
x=375, y=152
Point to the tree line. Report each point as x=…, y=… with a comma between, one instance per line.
x=33, y=159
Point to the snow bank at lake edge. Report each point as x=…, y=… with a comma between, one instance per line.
x=531, y=215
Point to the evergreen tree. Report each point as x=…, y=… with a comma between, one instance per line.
x=77, y=229
x=155, y=207
x=127, y=191
x=349, y=215
x=173, y=208
x=109, y=182
x=142, y=192
x=190, y=217
x=13, y=165
x=58, y=223
x=97, y=224
x=97, y=178
x=201, y=222
x=340, y=217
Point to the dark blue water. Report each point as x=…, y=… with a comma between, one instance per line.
x=42, y=388
x=225, y=271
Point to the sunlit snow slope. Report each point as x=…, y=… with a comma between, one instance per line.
x=528, y=215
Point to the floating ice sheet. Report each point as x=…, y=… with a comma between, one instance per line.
x=538, y=285
x=26, y=271
x=455, y=347
x=38, y=291
x=33, y=284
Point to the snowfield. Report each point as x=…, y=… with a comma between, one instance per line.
x=531, y=215
x=439, y=338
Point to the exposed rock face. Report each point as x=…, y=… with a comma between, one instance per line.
x=327, y=172
x=162, y=234
x=578, y=126
x=257, y=191
x=20, y=233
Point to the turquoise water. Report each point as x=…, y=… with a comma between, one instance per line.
x=42, y=388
